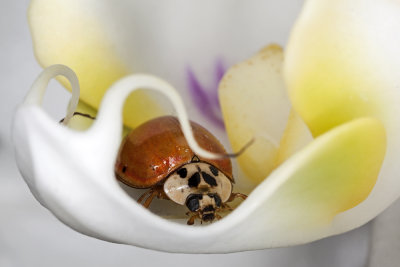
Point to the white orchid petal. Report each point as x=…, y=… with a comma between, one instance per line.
x=71, y=173
x=36, y=94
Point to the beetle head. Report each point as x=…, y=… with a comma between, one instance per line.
x=205, y=205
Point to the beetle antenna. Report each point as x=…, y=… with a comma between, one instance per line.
x=80, y=114
x=241, y=151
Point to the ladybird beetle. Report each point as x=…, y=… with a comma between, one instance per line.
x=157, y=157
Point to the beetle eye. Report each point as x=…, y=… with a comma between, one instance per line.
x=217, y=199
x=124, y=169
x=192, y=202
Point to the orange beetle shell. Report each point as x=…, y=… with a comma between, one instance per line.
x=158, y=147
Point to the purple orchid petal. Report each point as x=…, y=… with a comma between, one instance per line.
x=219, y=74
x=205, y=103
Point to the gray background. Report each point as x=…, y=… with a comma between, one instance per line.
x=31, y=236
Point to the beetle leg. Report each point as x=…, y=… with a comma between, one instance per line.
x=226, y=207
x=143, y=196
x=161, y=194
x=191, y=219
x=146, y=204
x=150, y=195
x=189, y=213
x=218, y=216
x=235, y=195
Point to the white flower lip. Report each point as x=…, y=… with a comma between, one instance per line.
x=71, y=174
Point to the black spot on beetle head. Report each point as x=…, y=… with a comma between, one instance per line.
x=194, y=181
x=209, y=179
x=214, y=170
x=182, y=172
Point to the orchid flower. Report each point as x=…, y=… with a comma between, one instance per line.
x=323, y=113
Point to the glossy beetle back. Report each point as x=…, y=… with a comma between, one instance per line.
x=158, y=147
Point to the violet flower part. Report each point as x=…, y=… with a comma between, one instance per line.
x=207, y=104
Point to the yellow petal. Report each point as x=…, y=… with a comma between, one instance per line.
x=254, y=105
x=342, y=62
x=334, y=173
x=339, y=58
x=296, y=136
x=72, y=33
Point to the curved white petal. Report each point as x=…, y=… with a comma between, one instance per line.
x=71, y=173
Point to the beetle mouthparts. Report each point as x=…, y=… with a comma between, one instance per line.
x=208, y=217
